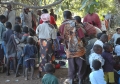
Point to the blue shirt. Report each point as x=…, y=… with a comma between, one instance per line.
x=2, y=29
x=29, y=51
x=97, y=77
x=49, y=79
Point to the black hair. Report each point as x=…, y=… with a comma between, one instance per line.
x=17, y=18
x=44, y=11
x=106, y=47
x=8, y=25
x=78, y=19
x=117, y=29
x=67, y=14
x=96, y=48
x=96, y=64
x=17, y=28
x=25, y=29
x=2, y=17
x=31, y=31
x=118, y=41
x=49, y=68
x=30, y=40
x=61, y=41
x=99, y=35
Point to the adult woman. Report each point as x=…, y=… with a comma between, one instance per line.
x=47, y=35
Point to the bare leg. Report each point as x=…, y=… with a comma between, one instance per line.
x=32, y=72
x=14, y=60
x=16, y=75
x=26, y=74
x=8, y=67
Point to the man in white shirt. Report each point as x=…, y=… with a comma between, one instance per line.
x=10, y=15
x=26, y=18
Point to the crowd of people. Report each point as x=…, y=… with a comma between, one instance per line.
x=86, y=45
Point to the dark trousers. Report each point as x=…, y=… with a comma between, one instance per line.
x=76, y=65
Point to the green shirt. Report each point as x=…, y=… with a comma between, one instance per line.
x=49, y=79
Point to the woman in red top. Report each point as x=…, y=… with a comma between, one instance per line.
x=52, y=20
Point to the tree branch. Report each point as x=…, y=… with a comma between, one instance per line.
x=33, y=7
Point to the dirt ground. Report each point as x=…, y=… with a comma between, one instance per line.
x=61, y=74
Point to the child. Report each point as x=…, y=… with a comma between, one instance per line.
x=97, y=76
x=6, y=35
x=23, y=42
x=117, y=47
x=49, y=78
x=2, y=29
x=109, y=63
x=96, y=55
x=116, y=35
x=29, y=53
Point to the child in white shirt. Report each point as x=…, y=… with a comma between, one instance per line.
x=117, y=47
x=96, y=55
x=97, y=76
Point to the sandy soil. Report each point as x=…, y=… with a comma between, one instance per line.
x=60, y=73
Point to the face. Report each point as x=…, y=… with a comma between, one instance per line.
x=99, y=51
x=51, y=10
x=39, y=12
x=27, y=10
x=110, y=49
x=9, y=7
x=4, y=20
x=118, y=31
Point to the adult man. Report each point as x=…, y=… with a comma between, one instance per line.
x=39, y=14
x=52, y=14
x=67, y=31
x=93, y=19
x=26, y=18
x=10, y=15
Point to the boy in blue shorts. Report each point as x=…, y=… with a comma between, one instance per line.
x=29, y=55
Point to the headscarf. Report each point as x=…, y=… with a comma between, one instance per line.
x=45, y=17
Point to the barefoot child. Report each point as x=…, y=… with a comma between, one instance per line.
x=29, y=56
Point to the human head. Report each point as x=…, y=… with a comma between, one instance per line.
x=51, y=11
x=30, y=40
x=49, y=68
x=99, y=35
x=8, y=25
x=97, y=49
x=17, y=28
x=118, y=41
x=104, y=38
x=44, y=11
x=31, y=32
x=17, y=20
x=118, y=30
x=96, y=64
x=108, y=47
x=39, y=12
x=67, y=14
x=45, y=17
x=2, y=19
x=78, y=19
x=25, y=29
x=9, y=6
x=26, y=9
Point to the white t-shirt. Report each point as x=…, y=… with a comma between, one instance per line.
x=11, y=17
x=97, y=77
x=117, y=50
x=115, y=37
x=95, y=56
x=44, y=31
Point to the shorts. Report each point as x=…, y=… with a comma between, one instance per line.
x=109, y=77
x=29, y=63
